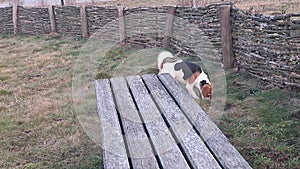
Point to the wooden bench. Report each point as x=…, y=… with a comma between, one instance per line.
x=152, y=122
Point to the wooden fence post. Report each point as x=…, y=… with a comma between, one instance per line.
x=15, y=18
x=169, y=26
x=194, y=4
x=122, y=26
x=84, y=24
x=226, y=37
x=52, y=18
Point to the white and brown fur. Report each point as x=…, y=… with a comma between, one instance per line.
x=185, y=72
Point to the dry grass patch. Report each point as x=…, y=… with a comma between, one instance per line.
x=38, y=126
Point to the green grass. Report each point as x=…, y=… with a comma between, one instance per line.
x=125, y=61
x=4, y=92
x=3, y=78
x=262, y=122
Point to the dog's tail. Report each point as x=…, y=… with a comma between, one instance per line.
x=161, y=57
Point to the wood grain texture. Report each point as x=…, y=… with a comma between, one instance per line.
x=52, y=19
x=140, y=150
x=219, y=145
x=169, y=26
x=159, y=118
x=164, y=144
x=194, y=148
x=226, y=38
x=114, y=151
x=15, y=18
x=122, y=25
x=84, y=24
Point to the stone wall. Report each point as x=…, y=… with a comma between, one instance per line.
x=203, y=25
x=33, y=21
x=68, y=21
x=268, y=47
x=6, y=21
x=98, y=17
x=145, y=26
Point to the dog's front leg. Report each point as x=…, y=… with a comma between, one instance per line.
x=190, y=89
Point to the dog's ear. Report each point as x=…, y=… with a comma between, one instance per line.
x=207, y=91
x=210, y=90
x=210, y=95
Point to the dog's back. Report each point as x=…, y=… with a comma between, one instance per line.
x=162, y=58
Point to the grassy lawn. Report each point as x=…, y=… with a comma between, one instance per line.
x=39, y=127
x=262, y=121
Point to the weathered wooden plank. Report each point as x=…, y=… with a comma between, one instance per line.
x=164, y=144
x=220, y=146
x=114, y=150
x=194, y=148
x=140, y=150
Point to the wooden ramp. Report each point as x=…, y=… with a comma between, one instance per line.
x=152, y=122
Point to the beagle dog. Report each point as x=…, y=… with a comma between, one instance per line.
x=185, y=72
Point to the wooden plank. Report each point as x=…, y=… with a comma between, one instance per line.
x=194, y=148
x=164, y=144
x=114, y=150
x=220, y=146
x=140, y=150
x=226, y=37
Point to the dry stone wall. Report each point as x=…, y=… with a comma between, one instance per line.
x=6, y=21
x=145, y=26
x=204, y=31
x=268, y=47
x=68, y=21
x=98, y=17
x=33, y=21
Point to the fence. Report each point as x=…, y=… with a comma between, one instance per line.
x=267, y=47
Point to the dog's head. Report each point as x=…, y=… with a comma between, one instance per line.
x=207, y=91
